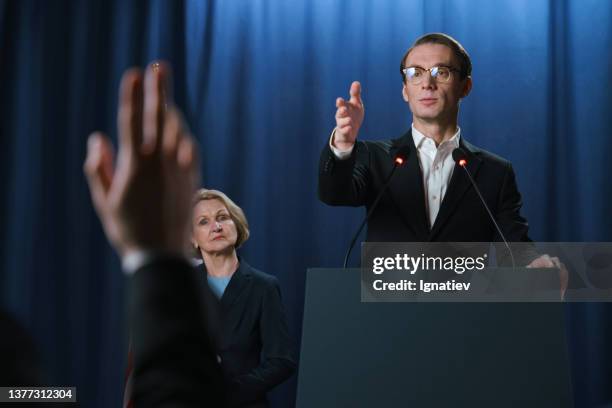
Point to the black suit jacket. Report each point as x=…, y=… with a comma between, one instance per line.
x=401, y=214
x=174, y=359
x=253, y=341
x=19, y=356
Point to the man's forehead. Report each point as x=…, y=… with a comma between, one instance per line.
x=430, y=55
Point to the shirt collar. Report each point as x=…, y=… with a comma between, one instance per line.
x=419, y=138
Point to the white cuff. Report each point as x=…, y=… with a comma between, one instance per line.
x=134, y=260
x=340, y=154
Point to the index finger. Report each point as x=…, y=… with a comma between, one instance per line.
x=156, y=98
x=129, y=115
x=355, y=92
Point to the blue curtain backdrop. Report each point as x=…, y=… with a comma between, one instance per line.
x=257, y=81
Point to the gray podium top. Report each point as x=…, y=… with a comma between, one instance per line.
x=358, y=354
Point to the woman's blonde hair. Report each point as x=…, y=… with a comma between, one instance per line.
x=236, y=213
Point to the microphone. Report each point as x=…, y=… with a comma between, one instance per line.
x=399, y=159
x=461, y=158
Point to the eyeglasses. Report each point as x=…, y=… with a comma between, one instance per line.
x=415, y=75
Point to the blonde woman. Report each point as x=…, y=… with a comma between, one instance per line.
x=253, y=341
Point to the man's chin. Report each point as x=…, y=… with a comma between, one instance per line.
x=426, y=116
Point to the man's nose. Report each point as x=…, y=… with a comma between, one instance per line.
x=429, y=81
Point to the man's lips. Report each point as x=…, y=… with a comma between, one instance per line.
x=428, y=101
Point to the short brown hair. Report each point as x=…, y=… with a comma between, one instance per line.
x=440, y=38
x=236, y=213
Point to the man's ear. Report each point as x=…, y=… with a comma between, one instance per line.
x=405, y=93
x=467, y=87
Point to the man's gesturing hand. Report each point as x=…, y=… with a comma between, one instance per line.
x=546, y=261
x=144, y=203
x=349, y=117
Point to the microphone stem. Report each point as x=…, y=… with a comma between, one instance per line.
x=490, y=215
x=369, y=214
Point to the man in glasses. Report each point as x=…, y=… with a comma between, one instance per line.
x=428, y=198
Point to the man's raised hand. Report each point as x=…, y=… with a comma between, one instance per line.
x=349, y=117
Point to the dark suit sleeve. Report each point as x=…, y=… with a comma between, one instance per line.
x=344, y=182
x=277, y=361
x=511, y=222
x=19, y=356
x=174, y=362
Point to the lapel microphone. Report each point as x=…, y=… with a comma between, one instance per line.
x=461, y=158
x=399, y=159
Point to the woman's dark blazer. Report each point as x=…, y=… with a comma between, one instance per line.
x=254, y=347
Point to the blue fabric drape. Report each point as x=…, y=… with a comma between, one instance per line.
x=257, y=81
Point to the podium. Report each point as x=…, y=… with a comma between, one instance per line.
x=399, y=354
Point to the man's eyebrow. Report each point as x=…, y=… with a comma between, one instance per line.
x=438, y=64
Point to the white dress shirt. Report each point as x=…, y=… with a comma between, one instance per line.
x=436, y=163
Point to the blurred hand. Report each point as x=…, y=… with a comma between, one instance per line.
x=349, y=117
x=144, y=202
x=546, y=261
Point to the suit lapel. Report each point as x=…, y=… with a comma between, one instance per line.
x=407, y=191
x=238, y=283
x=457, y=187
